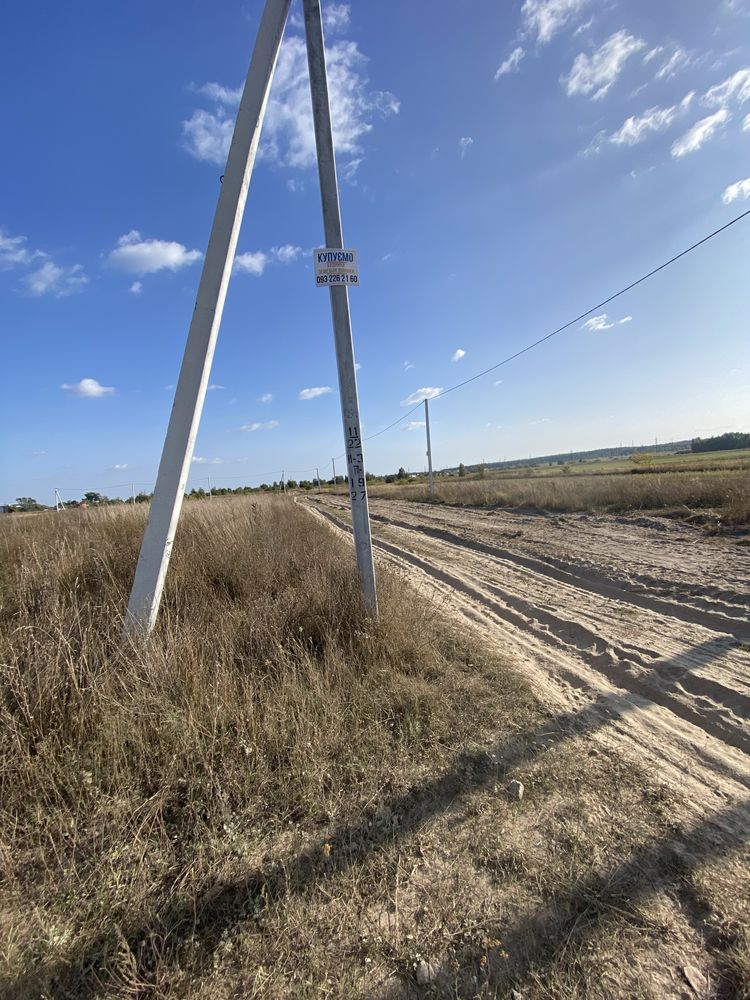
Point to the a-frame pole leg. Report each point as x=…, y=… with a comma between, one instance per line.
x=342, y=328
x=204, y=327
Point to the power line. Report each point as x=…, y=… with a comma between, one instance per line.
x=566, y=326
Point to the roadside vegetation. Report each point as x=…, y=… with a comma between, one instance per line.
x=711, y=489
x=276, y=798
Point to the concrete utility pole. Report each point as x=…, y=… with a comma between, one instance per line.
x=317, y=476
x=429, y=446
x=340, y=306
x=210, y=491
x=204, y=326
x=132, y=493
x=333, y=463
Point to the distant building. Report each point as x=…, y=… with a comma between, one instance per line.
x=5, y=508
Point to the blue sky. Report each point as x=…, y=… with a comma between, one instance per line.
x=504, y=165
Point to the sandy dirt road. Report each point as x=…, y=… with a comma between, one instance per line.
x=643, y=622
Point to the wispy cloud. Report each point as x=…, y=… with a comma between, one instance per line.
x=255, y=262
x=51, y=279
x=215, y=385
x=408, y=366
x=700, y=133
x=267, y=397
x=137, y=255
x=336, y=17
x=88, y=387
x=286, y=253
x=735, y=87
x=511, y=64
x=14, y=252
x=544, y=18
x=602, y=322
x=267, y=425
x=120, y=465
x=288, y=138
x=594, y=75
x=458, y=354
x=534, y=423
x=740, y=189
x=47, y=278
x=312, y=393
x=200, y=460
x=679, y=60
x=464, y=143
x=136, y=288
x=427, y=392
x=413, y=425
x=637, y=128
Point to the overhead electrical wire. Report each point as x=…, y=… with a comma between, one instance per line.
x=565, y=326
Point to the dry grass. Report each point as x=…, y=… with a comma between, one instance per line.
x=275, y=798
x=726, y=495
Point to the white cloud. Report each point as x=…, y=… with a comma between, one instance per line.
x=267, y=397
x=288, y=138
x=544, y=18
x=250, y=263
x=316, y=390
x=138, y=256
x=499, y=382
x=735, y=86
x=215, y=385
x=635, y=129
x=286, y=253
x=267, y=425
x=428, y=392
x=357, y=366
x=746, y=124
x=601, y=322
x=740, y=189
x=120, y=465
x=595, y=74
x=534, y=423
x=88, y=387
x=13, y=252
x=463, y=144
x=652, y=54
x=700, y=133
x=222, y=95
x=136, y=288
x=336, y=17
x=458, y=354
x=677, y=61
x=413, y=425
x=50, y=279
x=408, y=366
x=511, y=64
x=200, y=460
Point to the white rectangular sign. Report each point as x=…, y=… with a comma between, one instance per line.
x=335, y=267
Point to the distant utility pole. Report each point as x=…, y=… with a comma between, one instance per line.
x=190, y=394
x=210, y=491
x=283, y=482
x=429, y=446
x=333, y=463
x=317, y=474
x=339, y=295
x=59, y=505
x=132, y=492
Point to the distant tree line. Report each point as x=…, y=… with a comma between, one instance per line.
x=722, y=442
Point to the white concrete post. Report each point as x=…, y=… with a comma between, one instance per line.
x=204, y=327
x=429, y=445
x=333, y=463
x=339, y=294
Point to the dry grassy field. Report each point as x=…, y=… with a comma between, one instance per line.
x=275, y=797
x=713, y=488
